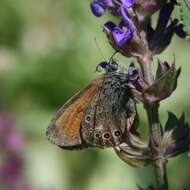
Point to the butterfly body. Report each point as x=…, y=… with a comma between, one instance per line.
x=98, y=116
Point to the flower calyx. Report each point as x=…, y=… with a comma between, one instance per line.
x=175, y=138
x=164, y=84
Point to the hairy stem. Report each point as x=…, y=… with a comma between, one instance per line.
x=161, y=174
x=155, y=129
x=158, y=159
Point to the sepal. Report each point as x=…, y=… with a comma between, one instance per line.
x=164, y=84
x=176, y=138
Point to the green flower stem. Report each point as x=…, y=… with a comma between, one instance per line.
x=154, y=123
x=158, y=160
x=155, y=129
x=161, y=174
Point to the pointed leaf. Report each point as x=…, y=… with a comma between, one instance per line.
x=185, y=15
x=176, y=139
x=162, y=87
x=171, y=122
x=162, y=68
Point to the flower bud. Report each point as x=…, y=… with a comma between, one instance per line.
x=97, y=9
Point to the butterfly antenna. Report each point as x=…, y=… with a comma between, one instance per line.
x=99, y=49
x=110, y=59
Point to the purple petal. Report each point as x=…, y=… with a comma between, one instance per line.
x=125, y=16
x=165, y=14
x=106, y=2
x=97, y=9
x=121, y=36
x=128, y=3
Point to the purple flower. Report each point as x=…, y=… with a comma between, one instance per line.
x=121, y=35
x=98, y=7
x=124, y=38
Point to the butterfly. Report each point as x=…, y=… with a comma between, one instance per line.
x=100, y=115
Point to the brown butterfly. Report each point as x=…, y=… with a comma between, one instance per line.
x=100, y=115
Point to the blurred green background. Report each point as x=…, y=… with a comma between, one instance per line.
x=48, y=53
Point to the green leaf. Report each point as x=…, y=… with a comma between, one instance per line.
x=171, y=122
x=185, y=15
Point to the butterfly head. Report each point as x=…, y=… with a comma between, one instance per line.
x=111, y=66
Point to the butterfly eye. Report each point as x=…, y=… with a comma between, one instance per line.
x=88, y=118
x=117, y=133
x=106, y=136
x=114, y=65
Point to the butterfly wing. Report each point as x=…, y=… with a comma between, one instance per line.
x=64, y=129
x=111, y=114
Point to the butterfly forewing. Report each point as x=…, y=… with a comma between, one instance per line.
x=64, y=129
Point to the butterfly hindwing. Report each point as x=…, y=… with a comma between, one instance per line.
x=110, y=114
